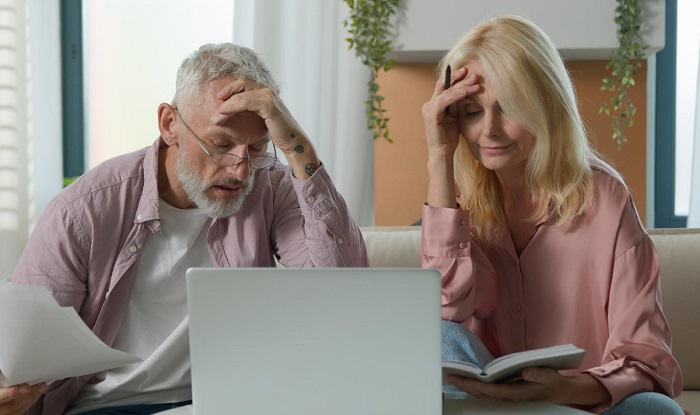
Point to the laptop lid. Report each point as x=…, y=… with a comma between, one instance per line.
x=349, y=341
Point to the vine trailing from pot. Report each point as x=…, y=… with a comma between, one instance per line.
x=623, y=63
x=371, y=30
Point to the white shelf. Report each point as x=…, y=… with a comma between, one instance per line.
x=581, y=29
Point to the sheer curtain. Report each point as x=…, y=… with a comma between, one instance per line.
x=14, y=147
x=30, y=126
x=694, y=212
x=322, y=83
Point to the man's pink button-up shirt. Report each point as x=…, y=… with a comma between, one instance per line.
x=87, y=242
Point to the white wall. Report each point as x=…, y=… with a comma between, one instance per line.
x=581, y=29
x=132, y=50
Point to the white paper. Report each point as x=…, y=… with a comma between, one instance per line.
x=42, y=342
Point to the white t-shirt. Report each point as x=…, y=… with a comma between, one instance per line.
x=155, y=327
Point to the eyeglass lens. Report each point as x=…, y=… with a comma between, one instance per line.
x=229, y=160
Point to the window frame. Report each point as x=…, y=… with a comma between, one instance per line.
x=72, y=88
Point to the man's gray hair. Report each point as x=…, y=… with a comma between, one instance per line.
x=221, y=60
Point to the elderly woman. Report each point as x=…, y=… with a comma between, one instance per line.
x=537, y=239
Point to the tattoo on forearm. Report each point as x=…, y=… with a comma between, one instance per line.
x=299, y=148
x=310, y=169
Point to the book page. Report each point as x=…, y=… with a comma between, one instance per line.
x=465, y=369
x=507, y=368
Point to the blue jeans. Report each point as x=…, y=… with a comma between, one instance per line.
x=651, y=403
x=458, y=343
x=144, y=409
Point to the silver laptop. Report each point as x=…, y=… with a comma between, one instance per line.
x=269, y=341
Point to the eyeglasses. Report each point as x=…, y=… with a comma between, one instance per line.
x=230, y=159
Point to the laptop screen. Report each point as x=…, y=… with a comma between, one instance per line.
x=315, y=341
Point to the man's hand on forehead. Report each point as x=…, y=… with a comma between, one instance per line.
x=236, y=87
x=240, y=95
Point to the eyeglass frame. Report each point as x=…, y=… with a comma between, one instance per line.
x=225, y=153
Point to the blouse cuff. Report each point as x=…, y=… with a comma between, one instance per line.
x=445, y=232
x=620, y=381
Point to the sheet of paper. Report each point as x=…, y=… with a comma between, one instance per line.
x=42, y=342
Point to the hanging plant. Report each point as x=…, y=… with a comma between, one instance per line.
x=623, y=63
x=371, y=30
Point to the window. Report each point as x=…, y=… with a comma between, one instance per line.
x=688, y=44
x=120, y=58
x=676, y=78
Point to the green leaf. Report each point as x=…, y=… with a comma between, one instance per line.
x=623, y=63
x=371, y=37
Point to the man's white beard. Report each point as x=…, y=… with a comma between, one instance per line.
x=195, y=188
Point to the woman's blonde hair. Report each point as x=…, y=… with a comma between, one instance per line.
x=534, y=89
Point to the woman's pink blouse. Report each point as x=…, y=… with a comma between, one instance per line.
x=593, y=283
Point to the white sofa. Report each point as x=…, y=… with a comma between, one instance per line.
x=679, y=255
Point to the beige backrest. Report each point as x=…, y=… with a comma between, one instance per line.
x=393, y=246
x=679, y=258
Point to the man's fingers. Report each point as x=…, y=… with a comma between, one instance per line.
x=236, y=87
x=16, y=400
x=14, y=392
x=8, y=394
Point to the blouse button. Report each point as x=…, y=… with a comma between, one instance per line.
x=462, y=222
x=340, y=241
x=518, y=307
x=139, y=216
x=462, y=245
x=310, y=199
x=156, y=224
x=132, y=248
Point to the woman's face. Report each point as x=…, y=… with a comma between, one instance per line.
x=498, y=142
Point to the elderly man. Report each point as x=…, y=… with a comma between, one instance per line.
x=210, y=191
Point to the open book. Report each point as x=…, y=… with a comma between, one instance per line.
x=507, y=368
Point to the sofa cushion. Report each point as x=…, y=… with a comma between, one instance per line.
x=679, y=259
x=393, y=246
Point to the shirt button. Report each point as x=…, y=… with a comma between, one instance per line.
x=518, y=307
x=310, y=199
x=462, y=222
x=139, y=216
x=340, y=241
x=462, y=245
x=132, y=248
x=156, y=224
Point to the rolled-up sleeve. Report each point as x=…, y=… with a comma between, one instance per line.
x=638, y=353
x=54, y=256
x=324, y=235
